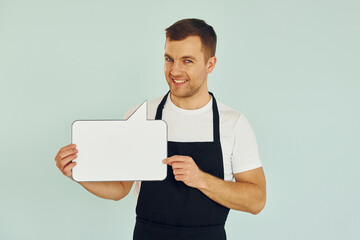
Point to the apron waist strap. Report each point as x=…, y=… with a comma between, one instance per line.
x=145, y=230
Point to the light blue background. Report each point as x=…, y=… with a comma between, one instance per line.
x=292, y=67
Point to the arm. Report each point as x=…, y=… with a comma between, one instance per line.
x=247, y=194
x=107, y=190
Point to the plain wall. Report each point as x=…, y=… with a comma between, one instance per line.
x=292, y=67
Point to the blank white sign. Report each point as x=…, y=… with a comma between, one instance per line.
x=120, y=150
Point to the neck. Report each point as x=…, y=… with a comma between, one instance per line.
x=193, y=102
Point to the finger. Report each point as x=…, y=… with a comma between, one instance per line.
x=180, y=171
x=71, y=145
x=175, y=158
x=68, y=169
x=67, y=147
x=65, y=161
x=178, y=165
x=179, y=177
x=67, y=153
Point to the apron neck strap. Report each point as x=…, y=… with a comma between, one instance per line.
x=216, y=129
x=216, y=122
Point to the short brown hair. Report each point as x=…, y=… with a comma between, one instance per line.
x=194, y=27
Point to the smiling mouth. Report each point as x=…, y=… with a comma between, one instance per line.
x=179, y=81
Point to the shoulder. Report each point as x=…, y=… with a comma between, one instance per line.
x=229, y=115
x=154, y=103
x=152, y=106
x=233, y=122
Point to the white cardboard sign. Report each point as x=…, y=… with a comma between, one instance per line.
x=120, y=150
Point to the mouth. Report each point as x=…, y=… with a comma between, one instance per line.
x=179, y=81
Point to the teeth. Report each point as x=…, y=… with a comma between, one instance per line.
x=179, y=81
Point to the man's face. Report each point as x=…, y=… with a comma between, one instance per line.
x=185, y=67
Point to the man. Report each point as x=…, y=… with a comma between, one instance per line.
x=209, y=144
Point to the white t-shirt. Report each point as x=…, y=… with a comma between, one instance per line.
x=238, y=141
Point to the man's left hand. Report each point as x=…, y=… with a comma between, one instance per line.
x=186, y=170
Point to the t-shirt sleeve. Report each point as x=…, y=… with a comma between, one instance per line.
x=245, y=155
x=131, y=111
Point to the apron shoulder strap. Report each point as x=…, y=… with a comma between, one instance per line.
x=160, y=107
x=216, y=122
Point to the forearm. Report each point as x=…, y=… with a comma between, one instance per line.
x=107, y=190
x=242, y=196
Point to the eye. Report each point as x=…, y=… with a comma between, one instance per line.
x=188, y=61
x=169, y=59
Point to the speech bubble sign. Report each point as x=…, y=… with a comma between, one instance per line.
x=120, y=150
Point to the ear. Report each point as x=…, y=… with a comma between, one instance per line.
x=211, y=64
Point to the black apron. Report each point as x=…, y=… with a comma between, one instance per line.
x=171, y=210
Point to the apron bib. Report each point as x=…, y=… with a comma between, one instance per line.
x=169, y=209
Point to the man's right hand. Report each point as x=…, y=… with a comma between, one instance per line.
x=64, y=159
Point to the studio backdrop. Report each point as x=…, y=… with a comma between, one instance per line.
x=291, y=67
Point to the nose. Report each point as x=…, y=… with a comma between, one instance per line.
x=176, y=68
